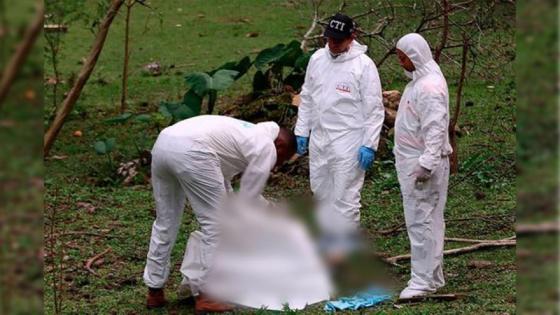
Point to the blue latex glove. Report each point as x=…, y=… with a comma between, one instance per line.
x=365, y=157
x=302, y=143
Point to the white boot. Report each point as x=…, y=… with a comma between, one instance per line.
x=408, y=293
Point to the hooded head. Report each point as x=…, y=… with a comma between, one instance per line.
x=284, y=140
x=416, y=48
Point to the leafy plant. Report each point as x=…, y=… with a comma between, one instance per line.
x=141, y=118
x=105, y=147
x=205, y=84
x=271, y=64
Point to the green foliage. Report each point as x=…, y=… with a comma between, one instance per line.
x=241, y=67
x=104, y=146
x=189, y=107
x=270, y=55
x=202, y=83
x=124, y=117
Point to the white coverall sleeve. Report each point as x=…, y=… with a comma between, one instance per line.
x=432, y=105
x=372, y=106
x=261, y=160
x=305, y=108
x=227, y=185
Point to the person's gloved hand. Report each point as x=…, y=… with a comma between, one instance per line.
x=421, y=174
x=302, y=143
x=365, y=157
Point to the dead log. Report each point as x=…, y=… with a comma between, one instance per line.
x=87, y=69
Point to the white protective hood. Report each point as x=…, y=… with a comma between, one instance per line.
x=418, y=50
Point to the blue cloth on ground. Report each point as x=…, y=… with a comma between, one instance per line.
x=368, y=298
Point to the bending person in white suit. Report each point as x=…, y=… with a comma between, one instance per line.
x=195, y=159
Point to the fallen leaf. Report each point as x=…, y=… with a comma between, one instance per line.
x=86, y=206
x=7, y=123
x=30, y=95
x=479, y=264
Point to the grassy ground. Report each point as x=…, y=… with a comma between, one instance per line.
x=21, y=171
x=201, y=36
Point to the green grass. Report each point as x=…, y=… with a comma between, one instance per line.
x=211, y=34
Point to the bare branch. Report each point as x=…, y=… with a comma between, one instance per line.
x=21, y=53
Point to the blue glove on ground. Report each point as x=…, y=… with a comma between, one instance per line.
x=366, y=157
x=302, y=143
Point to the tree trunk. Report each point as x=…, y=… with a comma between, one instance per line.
x=83, y=77
x=454, y=160
x=124, y=92
x=21, y=53
x=444, y=32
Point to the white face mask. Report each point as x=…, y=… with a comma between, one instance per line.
x=333, y=55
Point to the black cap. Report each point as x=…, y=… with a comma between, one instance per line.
x=340, y=26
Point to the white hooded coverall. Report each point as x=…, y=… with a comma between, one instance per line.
x=196, y=159
x=341, y=106
x=421, y=138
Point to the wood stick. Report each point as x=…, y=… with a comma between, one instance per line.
x=538, y=228
x=439, y=297
x=498, y=243
x=469, y=240
x=87, y=69
x=90, y=261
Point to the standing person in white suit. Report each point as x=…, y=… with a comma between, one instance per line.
x=340, y=117
x=422, y=152
x=195, y=159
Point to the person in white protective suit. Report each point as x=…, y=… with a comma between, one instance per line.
x=421, y=153
x=195, y=159
x=341, y=115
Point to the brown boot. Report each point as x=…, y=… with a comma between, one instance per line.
x=156, y=298
x=204, y=304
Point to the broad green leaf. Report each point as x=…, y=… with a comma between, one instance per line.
x=119, y=119
x=269, y=55
x=292, y=53
x=243, y=66
x=179, y=111
x=295, y=80
x=260, y=82
x=193, y=101
x=222, y=79
x=145, y=118
x=110, y=144
x=100, y=147
x=200, y=82
x=302, y=61
x=164, y=109
x=228, y=66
